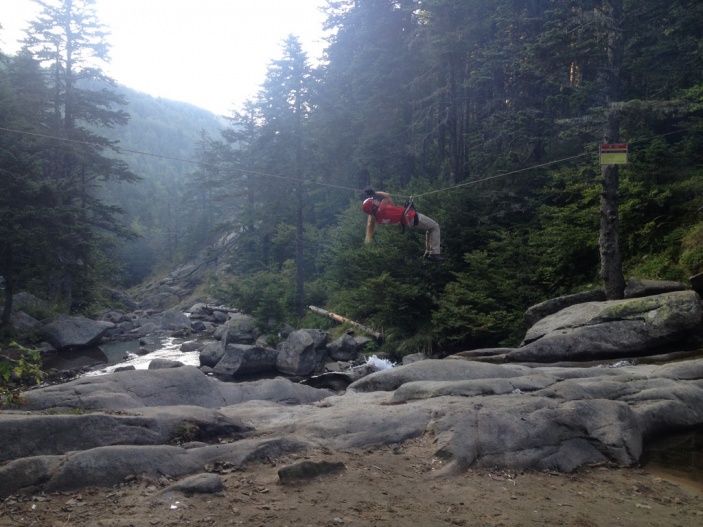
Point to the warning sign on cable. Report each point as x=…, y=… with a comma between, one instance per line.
x=613, y=154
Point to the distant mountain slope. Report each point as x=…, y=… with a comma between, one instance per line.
x=162, y=127
x=161, y=134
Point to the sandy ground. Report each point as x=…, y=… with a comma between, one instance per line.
x=384, y=487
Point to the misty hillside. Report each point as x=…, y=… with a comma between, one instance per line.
x=160, y=139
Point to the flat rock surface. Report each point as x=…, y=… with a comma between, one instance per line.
x=478, y=416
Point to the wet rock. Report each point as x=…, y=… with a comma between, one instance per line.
x=211, y=354
x=192, y=345
x=158, y=364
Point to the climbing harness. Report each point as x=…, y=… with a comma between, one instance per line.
x=409, y=205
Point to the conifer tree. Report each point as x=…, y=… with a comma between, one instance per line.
x=26, y=211
x=71, y=45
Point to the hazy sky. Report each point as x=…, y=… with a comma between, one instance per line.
x=211, y=53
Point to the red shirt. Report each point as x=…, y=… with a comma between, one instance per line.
x=391, y=214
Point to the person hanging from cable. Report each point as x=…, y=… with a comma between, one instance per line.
x=380, y=209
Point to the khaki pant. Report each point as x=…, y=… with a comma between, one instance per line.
x=431, y=229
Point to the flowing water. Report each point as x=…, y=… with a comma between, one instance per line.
x=106, y=358
x=131, y=353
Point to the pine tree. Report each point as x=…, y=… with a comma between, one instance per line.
x=26, y=199
x=70, y=43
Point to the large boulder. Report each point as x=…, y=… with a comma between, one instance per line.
x=22, y=322
x=301, y=353
x=553, y=305
x=243, y=359
x=612, y=329
x=211, y=354
x=27, y=301
x=240, y=329
x=639, y=288
x=74, y=332
x=344, y=348
x=174, y=319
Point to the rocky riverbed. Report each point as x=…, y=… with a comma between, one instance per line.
x=476, y=438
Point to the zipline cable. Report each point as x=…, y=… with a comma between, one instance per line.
x=296, y=180
x=161, y=156
x=481, y=180
x=474, y=181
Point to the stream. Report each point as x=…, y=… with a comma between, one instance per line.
x=106, y=358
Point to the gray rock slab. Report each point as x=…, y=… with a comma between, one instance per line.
x=41, y=434
x=66, y=332
x=553, y=305
x=186, y=385
x=111, y=465
x=434, y=370
x=481, y=415
x=612, y=329
x=245, y=359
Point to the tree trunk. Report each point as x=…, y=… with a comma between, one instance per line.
x=299, y=223
x=9, y=288
x=299, y=256
x=610, y=257
x=344, y=320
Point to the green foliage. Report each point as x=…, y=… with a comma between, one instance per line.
x=692, y=250
x=657, y=267
x=55, y=226
x=187, y=432
x=266, y=295
x=23, y=370
x=478, y=309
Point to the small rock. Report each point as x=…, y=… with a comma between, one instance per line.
x=307, y=470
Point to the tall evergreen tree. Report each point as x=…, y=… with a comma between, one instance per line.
x=27, y=218
x=70, y=42
x=366, y=90
x=285, y=103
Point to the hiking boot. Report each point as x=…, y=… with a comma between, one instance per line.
x=435, y=258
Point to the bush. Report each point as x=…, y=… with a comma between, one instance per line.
x=24, y=370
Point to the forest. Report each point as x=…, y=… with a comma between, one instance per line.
x=490, y=115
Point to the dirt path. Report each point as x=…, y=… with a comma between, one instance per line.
x=384, y=487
